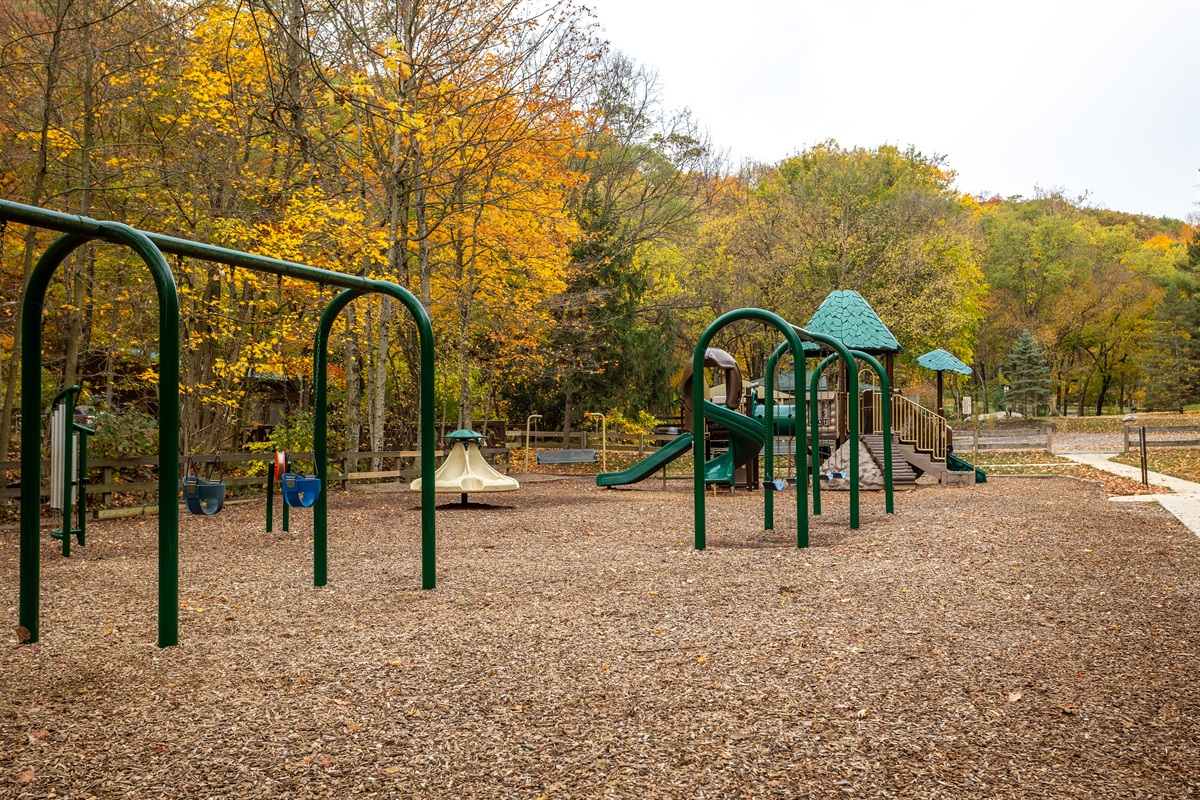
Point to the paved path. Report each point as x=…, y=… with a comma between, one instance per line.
x=1184, y=503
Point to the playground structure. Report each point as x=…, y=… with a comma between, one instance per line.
x=901, y=437
x=749, y=434
x=465, y=471
x=742, y=442
x=150, y=247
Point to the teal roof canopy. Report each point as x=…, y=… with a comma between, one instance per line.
x=846, y=316
x=940, y=361
x=464, y=435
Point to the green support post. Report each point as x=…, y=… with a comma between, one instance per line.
x=790, y=333
x=427, y=425
x=270, y=496
x=848, y=357
x=801, y=465
x=886, y=389
x=816, y=429
x=79, y=231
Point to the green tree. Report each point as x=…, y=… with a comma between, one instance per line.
x=885, y=222
x=648, y=176
x=1028, y=375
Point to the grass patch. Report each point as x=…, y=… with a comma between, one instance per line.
x=988, y=457
x=1178, y=462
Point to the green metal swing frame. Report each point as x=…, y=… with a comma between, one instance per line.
x=150, y=247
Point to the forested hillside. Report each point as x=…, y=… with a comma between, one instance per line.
x=569, y=233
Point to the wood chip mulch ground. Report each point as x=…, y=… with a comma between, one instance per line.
x=1022, y=639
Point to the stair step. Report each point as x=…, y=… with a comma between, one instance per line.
x=902, y=472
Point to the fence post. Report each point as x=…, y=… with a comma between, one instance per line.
x=1049, y=438
x=641, y=445
x=1125, y=432
x=106, y=476
x=1142, y=443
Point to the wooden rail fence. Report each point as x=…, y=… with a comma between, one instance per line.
x=1004, y=439
x=405, y=466
x=1130, y=436
x=346, y=467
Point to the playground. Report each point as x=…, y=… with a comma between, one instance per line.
x=1036, y=641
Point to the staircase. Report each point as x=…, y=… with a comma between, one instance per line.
x=902, y=473
x=921, y=440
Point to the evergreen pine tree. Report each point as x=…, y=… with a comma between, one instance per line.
x=1028, y=375
x=1171, y=360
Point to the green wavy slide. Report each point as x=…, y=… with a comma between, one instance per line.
x=746, y=435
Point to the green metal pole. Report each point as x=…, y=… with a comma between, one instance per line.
x=168, y=426
x=270, y=496
x=798, y=424
x=852, y=390
x=769, y=456
x=96, y=229
x=814, y=416
x=790, y=333
x=886, y=389
x=427, y=423
x=321, y=433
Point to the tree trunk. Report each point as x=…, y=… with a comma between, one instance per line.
x=353, y=388
x=35, y=199
x=1105, y=383
x=379, y=380
x=1083, y=387
x=463, y=309
x=83, y=257
x=567, y=418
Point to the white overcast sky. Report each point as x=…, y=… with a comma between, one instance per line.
x=1096, y=97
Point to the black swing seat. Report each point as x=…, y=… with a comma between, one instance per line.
x=201, y=496
x=300, y=491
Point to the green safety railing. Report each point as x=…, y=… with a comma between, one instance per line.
x=78, y=231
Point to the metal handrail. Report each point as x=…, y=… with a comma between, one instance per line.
x=603, y=439
x=915, y=425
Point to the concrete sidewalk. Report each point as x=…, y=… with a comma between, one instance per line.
x=1184, y=503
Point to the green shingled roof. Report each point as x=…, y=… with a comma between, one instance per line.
x=845, y=315
x=939, y=360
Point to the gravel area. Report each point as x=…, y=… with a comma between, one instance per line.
x=1020, y=639
x=1088, y=442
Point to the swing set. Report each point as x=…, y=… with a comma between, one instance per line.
x=198, y=493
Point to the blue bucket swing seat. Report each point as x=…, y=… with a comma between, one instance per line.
x=300, y=491
x=203, y=497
